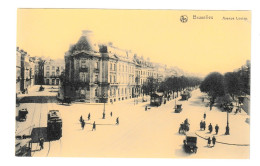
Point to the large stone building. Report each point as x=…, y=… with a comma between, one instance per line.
x=52, y=71
x=104, y=73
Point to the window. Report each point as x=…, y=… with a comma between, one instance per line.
x=53, y=73
x=111, y=66
x=96, y=78
x=53, y=67
x=47, y=74
x=114, y=79
x=48, y=68
x=83, y=77
x=96, y=92
x=114, y=66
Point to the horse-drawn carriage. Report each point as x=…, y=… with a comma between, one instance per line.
x=190, y=143
x=184, y=127
x=178, y=108
x=22, y=115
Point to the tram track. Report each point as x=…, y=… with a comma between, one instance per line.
x=39, y=125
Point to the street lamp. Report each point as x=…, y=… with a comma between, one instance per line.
x=228, y=108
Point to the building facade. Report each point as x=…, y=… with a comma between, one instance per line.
x=52, y=70
x=104, y=73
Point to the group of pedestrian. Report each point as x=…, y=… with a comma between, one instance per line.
x=213, y=141
x=82, y=121
x=210, y=127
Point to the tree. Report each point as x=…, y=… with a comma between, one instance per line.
x=150, y=86
x=233, y=83
x=213, y=85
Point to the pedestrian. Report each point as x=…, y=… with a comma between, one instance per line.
x=104, y=115
x=213, y=140
x=88, y=116
x=94, y=126
x=111, y=113
x=204, y=125
x=216, y=129
x=82, y=124
x=41, y=143
x=209, y=142
x=81, y=119
x=202, y=99
x=204, y=115
x=117, y=121
x=145, y=108
x=210, y=128
x=201, y=125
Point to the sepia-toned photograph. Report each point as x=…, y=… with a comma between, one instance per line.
x=128, y=83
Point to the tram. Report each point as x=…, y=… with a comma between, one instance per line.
x=54, y=125
x=156, y=99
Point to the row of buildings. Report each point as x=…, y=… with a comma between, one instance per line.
x=32, y=71
x=104, y=73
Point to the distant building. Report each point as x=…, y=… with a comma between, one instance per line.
x=52, y=71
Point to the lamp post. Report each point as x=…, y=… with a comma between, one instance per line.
x=228, y=108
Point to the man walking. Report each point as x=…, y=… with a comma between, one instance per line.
x=216, y=129
x=88, y=116
x=209, y=142
x=94, y=126
x=210, y=128
x=213, y=141
x=145, y=108
x=82, y=124
x=111, y=113
x=81, y=119
x=204, y=115
x=117, y=121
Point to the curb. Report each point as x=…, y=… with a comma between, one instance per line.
x=224, y=142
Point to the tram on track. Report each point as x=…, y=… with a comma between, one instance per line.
x=54, y=125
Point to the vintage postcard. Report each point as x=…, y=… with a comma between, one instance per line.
x=133, y=83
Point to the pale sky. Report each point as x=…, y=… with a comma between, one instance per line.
x=198, y=46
